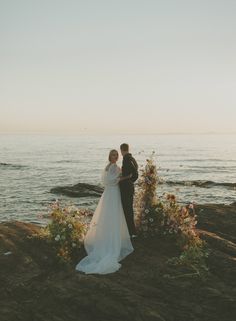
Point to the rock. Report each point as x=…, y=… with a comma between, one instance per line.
x=212, y=292
x=78, y=190
x=34, y=286
x=218, y=242
x=200, y=183
x=219, y=219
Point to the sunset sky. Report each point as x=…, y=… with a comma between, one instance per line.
x=122, y=66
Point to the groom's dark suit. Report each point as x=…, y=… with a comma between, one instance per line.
x=129, y=166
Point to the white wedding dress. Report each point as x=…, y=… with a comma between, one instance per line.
x=107, y=241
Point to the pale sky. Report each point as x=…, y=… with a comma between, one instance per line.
x=123, y=66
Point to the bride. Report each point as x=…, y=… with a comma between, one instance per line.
x=107, y=241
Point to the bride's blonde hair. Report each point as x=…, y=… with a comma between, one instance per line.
x=109, y=157
x=113, y=151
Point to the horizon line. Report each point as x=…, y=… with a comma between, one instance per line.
x=113, y=134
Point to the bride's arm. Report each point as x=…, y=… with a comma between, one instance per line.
x=114, y=176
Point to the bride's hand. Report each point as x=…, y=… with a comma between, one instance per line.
x=122, y=178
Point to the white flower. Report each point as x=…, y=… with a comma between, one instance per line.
x=57, y=238
x=186, y=220
x=151, y=219
x=146, y=211
x=70, y=226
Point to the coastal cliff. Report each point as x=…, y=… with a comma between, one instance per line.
x=35, y=286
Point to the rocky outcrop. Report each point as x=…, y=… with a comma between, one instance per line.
x=78, y=190
x=219, y=219
x=201, y=183
x=36, y=287
x=89, y=190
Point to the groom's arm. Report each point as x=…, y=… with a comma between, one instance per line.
x=129, y=167
x=123, y=178
x=127, y=170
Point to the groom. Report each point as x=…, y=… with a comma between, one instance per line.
x=129, y=167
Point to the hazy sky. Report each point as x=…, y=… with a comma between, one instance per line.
x=119, y=66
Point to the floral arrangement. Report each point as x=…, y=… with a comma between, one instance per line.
x=66, y=229
x=164, y=216
x=146, y=199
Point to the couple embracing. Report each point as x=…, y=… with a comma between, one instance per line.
x=112, y=227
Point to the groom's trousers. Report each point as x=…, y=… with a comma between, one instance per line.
x=127, y=197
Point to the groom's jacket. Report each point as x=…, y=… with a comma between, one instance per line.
x=129, y=166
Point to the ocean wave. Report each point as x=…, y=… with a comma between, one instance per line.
x=212, y=167
x=65, y=161
x=13, y=166
x=201, y=183
x=208, y=160
x=199, y=169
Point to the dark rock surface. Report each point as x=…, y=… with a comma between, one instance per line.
x=78, y=190
x=35, y=287
x=202, y=183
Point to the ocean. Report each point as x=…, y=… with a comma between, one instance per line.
x=198, y=168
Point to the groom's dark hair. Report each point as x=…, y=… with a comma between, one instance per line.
x=124, y=147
